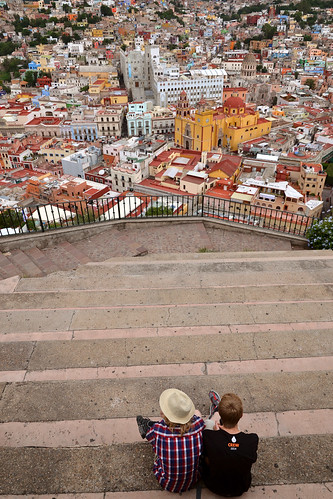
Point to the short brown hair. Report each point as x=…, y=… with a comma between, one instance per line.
x=230, y=409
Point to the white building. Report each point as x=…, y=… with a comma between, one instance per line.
x=79, y=163
x=196, y=83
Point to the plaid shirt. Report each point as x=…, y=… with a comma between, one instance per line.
x=176, y=465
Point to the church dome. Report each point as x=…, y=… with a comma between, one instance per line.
x=234, y=102
x=249, y=66
x=249, y=59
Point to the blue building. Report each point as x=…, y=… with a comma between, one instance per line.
x=33, y=66
x=83, y=131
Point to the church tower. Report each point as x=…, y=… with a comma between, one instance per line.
x=183, y=106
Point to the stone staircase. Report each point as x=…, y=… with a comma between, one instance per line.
x=38, y=255
x=84, y=351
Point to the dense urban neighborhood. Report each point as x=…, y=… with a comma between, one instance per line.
x=123, y=99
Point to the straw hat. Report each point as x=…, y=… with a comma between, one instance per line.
x=176, y=406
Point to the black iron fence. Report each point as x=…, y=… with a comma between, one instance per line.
x=48, y=217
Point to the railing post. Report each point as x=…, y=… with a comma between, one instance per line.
x=118, y=208
x=40, y=219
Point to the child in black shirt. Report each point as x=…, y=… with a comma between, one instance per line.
x=228, y=453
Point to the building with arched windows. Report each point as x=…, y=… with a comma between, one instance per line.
x=249, y=66
x=224, y=127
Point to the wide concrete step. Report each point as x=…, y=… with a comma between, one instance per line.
x=172, y=296
x=193, y=270
x=180, y=347
x=34, y=320
x=68, y=399
x=78, y=433
x=127, y=467
x=292, y=491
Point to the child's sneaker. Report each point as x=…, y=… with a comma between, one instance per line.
x=144, y=425
x=215, y=400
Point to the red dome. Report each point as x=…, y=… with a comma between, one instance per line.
x=234, y=102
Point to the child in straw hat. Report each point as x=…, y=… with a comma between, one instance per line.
x=176, y=440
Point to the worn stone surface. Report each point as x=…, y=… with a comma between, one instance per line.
x=129, y=467
x=34, y=321
x=188, y=315
x=46, y=401
x=15, y=356
x=171, y=296
x=2, y=387
x=165, y=350
x=8, y=285
x=184, y=295
x=103, y=278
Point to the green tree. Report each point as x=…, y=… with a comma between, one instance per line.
x=5, y=76
x=167, y=14
x=66, y=38
x=5, y=88
x=7, y=48
x=93, y=19
x=106, y=11
x=311, y=21
x=10, y=219
x=268, y=31
x=305, y=6
x=31, y=78
x=297, y=16
x=310, y=83
x=13, y=66
x=307, y=38
x=84, y=89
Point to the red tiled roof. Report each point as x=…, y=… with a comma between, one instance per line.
x=193, y=180
x=51, y=121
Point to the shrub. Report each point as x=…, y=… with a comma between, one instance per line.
x=320, y=235
x=156, y=211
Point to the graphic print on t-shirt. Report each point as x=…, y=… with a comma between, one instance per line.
x=233, y=445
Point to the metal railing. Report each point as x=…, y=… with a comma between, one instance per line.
x=48, y=217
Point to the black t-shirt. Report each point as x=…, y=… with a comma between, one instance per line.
x=227, y=461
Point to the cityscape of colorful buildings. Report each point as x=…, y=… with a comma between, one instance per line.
x=126, y=99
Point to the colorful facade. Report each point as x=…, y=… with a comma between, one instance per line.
x=225, y=126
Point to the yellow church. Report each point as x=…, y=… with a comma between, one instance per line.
x=225, y=126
